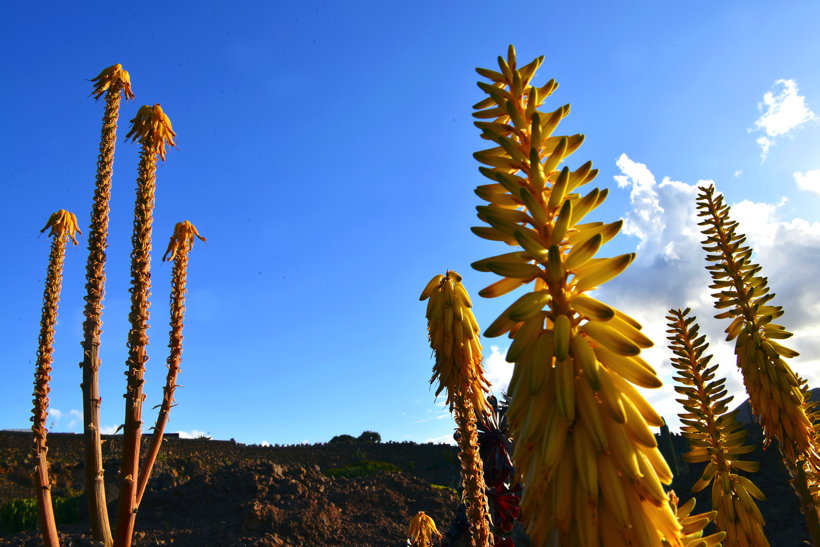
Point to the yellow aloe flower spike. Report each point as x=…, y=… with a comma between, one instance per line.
x=778, y=400
x=152, y=128
x=587, y=460
x=454, y=337
x=423, y=530
x=714, y=436
x=62, y=224
x=182, y=239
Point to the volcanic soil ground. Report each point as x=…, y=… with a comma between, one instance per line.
x=217, y=493
x=220, y=493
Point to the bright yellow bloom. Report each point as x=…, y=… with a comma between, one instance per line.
x=114, y=78
x=693, y=525
x=714, y=436
x=62, y=223
x=152, y=128
x=454, y=335
x=181, y=240
x=775, y=392
x=587, y=460
x=423, y=530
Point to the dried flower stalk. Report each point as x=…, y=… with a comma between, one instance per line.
x=182, y=241
x=63, y=227
x=113, y=82
x=152, y=128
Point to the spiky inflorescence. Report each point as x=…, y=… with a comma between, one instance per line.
x=152, y=128
x=454, y=337
x=182, y=241
x=714, y=436
x=114, y=82
x=693, y=525
x=589, y=465
x=775, y=393
x=63, y=227
x=423, y=530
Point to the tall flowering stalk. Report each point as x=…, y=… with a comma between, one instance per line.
x=152, y=128
x=182, y=241
x=778, y=400
x=63, y=227
x=113, y=82
x=454, y=336
x=714, y=436
x=589, y=465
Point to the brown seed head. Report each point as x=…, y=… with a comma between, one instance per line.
x=113, y=78
x=152, y=128
x=183, y=239
x=62, y=223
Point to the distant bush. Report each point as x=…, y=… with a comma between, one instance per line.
x=362, y=469
x=21, y=514
x=342, y=439
x=370, y=437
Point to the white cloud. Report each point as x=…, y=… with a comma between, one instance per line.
x=737, y=173
x=783, y=110
x=441, y=411
x=109, y=429
x=756, y=221
x=497, y=370
x=765, y=144
x=669, y=272
x=193, y=434
x=70, y=421
x=808, y=181
x=264, y=443
x=646, y=218
x=443, y=439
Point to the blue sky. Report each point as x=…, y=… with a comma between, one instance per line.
x=325, y=151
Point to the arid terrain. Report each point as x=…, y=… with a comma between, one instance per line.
x=223, y=493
